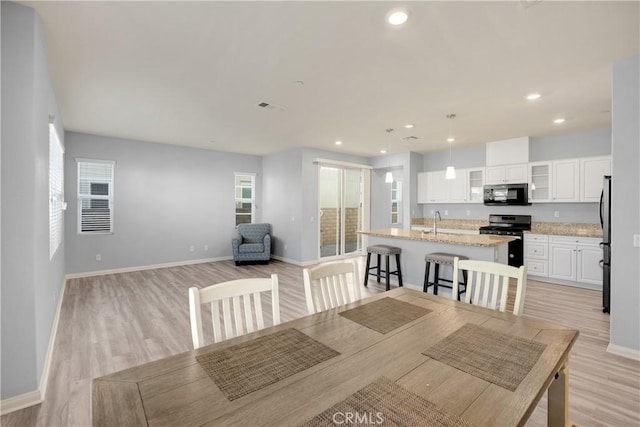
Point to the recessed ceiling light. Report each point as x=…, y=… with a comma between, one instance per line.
x=533, y=96
x=451, y=139
x=338, y=142
x=397, y=16
x=408, y=126
x=558, y=120
x=383, y=151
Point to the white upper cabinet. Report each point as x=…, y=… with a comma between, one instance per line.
x=423, y=184
x=475, y=184
x=509, y=174
x=566, y=181
x=592, y=171
x=433, y=187
x=458, y=187
x=540, y=182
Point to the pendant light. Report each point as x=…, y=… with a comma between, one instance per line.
x=388, y=177
x=451, y=172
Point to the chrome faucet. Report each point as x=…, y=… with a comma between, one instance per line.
x=435, y=224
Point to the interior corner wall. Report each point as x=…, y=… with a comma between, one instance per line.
x=31, y=282
x=282, y=189
x=167, y=200
x=625, y=205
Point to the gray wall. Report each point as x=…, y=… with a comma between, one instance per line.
x=291, y=199
x=31, y=283
x=571, y=145
x=166, y=199
x=282, y=188
x=625, y=198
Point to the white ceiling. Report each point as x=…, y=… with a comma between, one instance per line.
x=192, y=73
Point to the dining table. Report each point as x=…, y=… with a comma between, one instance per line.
x=402, y=357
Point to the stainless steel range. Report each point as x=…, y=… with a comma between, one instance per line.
x=510, y=225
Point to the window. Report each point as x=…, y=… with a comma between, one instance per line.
x=56, y=191
x=396, y=202
x=245, y=184
x=95, y=196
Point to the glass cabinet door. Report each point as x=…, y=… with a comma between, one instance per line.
x=476, y=181
x=539, y=182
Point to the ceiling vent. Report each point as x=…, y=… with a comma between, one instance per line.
x=410, y=138
x=268, y=106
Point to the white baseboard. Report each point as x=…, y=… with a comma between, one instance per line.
x=37, y=396
x=44, y=378
x=293, y=261
x=627, y=352
x=21, y=401
x=145, y=267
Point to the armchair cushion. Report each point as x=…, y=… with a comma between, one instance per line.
x=252, y=244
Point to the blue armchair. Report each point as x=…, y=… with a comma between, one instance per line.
x=253, y=244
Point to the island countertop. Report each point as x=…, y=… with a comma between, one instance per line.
x=484, y=240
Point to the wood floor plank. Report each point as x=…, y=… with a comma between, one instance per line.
x=113, y=322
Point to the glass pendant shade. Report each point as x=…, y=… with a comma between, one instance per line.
x=388, y=178
x=451, y=173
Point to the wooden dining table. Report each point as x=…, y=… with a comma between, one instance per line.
x=410, y=356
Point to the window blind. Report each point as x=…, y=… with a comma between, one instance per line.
x=95, y=196
x=56, y=191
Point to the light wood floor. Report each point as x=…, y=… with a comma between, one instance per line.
x=109, y=323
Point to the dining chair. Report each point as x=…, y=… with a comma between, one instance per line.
x=329, y=285
x=238, y=312
x=488, y=284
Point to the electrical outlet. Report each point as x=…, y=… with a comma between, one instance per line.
x=206, y=247
x=286, y=247
x=636, y=240
x=446, y=212
x=293, y=218
x=556, y=214
x=98, y=257
x=468, y=213
x=311, y=219
x=192, y=248
x=432, y=212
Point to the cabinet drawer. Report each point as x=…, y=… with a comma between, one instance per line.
x=536, y=238
x=536, y=250
x=537, y=267
x=569, y=240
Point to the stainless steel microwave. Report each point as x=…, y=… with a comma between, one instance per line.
x=506, y=194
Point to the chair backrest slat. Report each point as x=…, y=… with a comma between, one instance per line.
x=331, y=285
x=488, y=284
x=235, y=298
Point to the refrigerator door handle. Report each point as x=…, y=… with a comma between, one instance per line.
x=601, y=208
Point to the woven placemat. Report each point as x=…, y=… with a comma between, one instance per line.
x=384, y=403
x=499, y=358
x=385, y=314
x=244, y=368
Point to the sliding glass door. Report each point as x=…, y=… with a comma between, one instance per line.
x=340, y=210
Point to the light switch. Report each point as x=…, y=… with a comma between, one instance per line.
x=636, y=240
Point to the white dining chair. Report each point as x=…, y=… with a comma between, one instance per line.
x=488, y=284
x=331, y=285
x=241, y=307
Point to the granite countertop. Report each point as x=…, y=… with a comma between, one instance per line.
x=485, y=240
x=576, y=229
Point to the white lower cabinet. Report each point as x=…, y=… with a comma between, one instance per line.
x=536, y=254
x=564, y=259
x=575, y=259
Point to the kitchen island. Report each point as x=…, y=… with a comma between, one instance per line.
x=416, y=244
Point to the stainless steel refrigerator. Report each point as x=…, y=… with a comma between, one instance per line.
x=605, y=222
